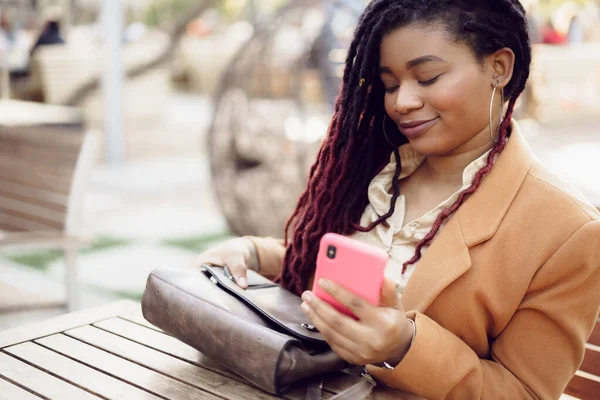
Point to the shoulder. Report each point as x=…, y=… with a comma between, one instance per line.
x=551, y=194
x=553, y=236
x=548, y=213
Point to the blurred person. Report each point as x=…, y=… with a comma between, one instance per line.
x=50, y=35
x=551, y=35
x=8, y=27
x=51, y=32
x=492, y=284
x=576, y=33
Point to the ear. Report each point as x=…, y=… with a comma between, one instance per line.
x=502, y=64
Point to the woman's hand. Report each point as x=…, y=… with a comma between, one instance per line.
x=381, y=334
x=238, y=254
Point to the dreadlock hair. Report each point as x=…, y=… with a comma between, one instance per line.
x=355, y=149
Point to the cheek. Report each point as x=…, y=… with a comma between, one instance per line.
x=462, y=100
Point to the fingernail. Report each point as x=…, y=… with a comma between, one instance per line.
x=305, y=307
x=307, y=297
x=324, y=283
x=242, y=282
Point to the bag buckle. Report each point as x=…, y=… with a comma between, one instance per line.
x=309, y=327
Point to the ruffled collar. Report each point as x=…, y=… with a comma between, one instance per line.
x=380, y=188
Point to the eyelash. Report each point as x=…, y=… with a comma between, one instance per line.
x=425, y=83
x=431, y=81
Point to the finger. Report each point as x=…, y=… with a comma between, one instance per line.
x=389, y=295
x=359, y=307
x=238, y=269
x=331, y=320
x=332, y=333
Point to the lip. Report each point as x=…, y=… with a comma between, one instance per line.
x=414, y=129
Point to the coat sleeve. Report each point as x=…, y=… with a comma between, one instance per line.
x=270, y=253
x=537, y=353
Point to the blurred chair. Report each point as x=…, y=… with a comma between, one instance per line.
x=45, y=160
x=586, y=382
x=68, y=75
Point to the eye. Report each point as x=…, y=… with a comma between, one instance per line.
x=391, y=89
x=430, y=82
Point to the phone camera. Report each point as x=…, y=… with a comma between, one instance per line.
x=331, y=252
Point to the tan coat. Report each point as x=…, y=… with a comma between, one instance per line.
x=507, y=294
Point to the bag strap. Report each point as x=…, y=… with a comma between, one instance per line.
x=359, y=391
x=314, y=390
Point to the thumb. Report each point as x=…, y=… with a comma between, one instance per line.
x=239, y=271
x=389, y=296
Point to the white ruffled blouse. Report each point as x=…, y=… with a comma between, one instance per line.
x=396, y=236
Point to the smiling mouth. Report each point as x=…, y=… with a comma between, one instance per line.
x=416, y=128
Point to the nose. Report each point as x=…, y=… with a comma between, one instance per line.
x=408, y=99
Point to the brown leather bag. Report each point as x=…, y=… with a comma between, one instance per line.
x=259, y=333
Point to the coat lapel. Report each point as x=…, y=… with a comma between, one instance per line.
x=446, y=259
x=475, y=222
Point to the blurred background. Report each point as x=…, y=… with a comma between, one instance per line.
x=137, y=133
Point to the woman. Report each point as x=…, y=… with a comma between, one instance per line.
x=492, y=288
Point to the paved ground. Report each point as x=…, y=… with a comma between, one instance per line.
x=162, y=211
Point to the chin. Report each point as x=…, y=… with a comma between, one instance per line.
x=430, y=145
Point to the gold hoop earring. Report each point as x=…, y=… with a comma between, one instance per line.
x=385, y=117
x=495, y=141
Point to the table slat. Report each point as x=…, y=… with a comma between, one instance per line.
x=77, y=373
x=134, y=356
x=583, y=388
x=171, y=366
x=161, y=342
x=39, y=381
x=26, y=333
x=139, y=319
x=167, y=344
x=128, y=371
x=170, y=345
x=9, y=391
x=591, y=360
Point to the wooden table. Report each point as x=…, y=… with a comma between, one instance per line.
x=112, y=352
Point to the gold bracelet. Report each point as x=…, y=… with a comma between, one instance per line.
x=414, y=326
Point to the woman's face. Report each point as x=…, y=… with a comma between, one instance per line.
x=436, y=91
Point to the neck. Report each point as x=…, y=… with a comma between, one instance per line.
x=449, y=168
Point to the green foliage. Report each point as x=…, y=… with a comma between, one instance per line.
x=41, y=259
x=105, y=242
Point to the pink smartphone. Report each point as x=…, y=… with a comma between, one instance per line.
x=357, y=266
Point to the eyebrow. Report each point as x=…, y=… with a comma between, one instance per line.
x=413, y=63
